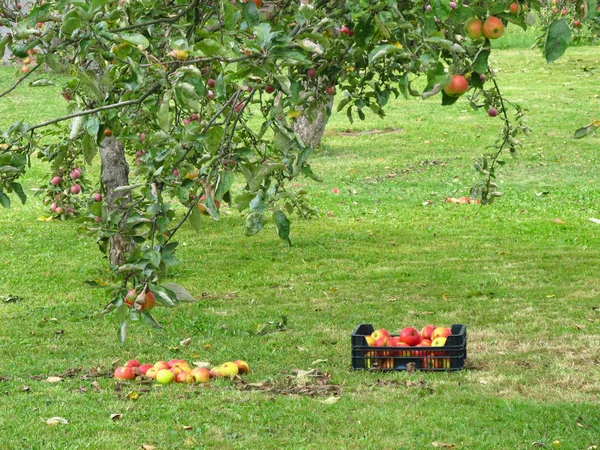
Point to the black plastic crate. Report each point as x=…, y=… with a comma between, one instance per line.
x=449, y=357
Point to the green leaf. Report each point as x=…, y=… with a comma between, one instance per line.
x=77, y=124
x=149, y=319
x=251, y=15
x=588, y=129
x=53, y=63
x=591, y=9
x=254, y=223
x=557, y=40
x=195, y=219
x=284, y=83
x=122, y=332
x=163, y=112
x=441, y=9
x=18, y=189
x=480, y=64
x=92, y=125
x=89, y=147
x=282, y=226
x=122, y=312
x=4, y=200
x=226, y=180
x=181, y=293
x=136, y=39
x=383, y=50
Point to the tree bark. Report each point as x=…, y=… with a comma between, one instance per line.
x=312, y=131
x=115, y=173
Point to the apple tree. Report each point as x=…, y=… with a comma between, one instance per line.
x=179, y=99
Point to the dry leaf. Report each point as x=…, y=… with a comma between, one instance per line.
x=26, y=389
x=558, y=221
x=443, y=445
x=331, y=400
x=186, y=342
x=580, y=327
x=188, y=427
x=116, y=416
x=538, y=444
x=133, y=395
x=592, y=447
x=56, y=421
x=483, y=382
x=148, y=447
x=318, y=361
x=96, y=386
x=411, y=368
x=428, y=202
x=591, y=219
x=53, y=380
x=202, y=364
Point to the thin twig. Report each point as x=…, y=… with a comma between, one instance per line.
x=19, y=81
x=157, y=21
x=95, y=110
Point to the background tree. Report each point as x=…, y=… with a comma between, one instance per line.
x=199, y=102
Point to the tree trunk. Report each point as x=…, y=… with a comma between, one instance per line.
x=115, y=173
x=312, y=131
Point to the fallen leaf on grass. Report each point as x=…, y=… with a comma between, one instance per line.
x=133, y=395
x=26, y=389
x=116, y=416
x=538, y=444
x=443, y=445
x=56, y=421
x=580, y=327
x=148, y=447
x=318, y=361
x=331, y=400
x=186, y=342
x=188, y=427
x=202, y=364
x=462, y=200
x=96, y=386
x=596, y=221
x=53, y=380
x=558, y=221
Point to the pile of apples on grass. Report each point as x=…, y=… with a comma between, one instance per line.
x=179, y=371
x=430, y=336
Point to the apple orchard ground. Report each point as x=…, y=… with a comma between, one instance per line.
x=386, y=250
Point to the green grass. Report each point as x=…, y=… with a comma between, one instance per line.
x=525, y=286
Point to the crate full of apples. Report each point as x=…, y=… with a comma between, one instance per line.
x=431, y=349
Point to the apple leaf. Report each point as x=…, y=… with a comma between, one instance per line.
x=557, y=41
x=588, y=129
x=180, y=292
x=122, y=332
x=136, y=39
x=282, y=226
x=447, y=99
x=480, y=64
x=195, y=219
x=226, y=180
x=150, y=320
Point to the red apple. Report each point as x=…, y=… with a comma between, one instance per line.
x=458, y=86
x=493, y=28
x=75, y=189
x=474, y=28
x=425, y=343
x=124, y=373
x=161, y=365
x=152, y=372
x=132, y=363
x=311, y=73
x=215, y=373
x=410, y=336
x=211, y=82
x=185, y=377
x=172, y=362
x=201, y=374
x=55, y=181
x=75, y=174
x=97, y=197
x=514, y=8
x=269, y=89
x=426, y=331
x=380, y=332
x=440, y=332
x=243, y=366
x=143, y=369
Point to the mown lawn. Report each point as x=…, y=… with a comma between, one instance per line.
x=522, y=274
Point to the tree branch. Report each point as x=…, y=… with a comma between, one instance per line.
x=157, y=21
x=95, y=110
x=19, y=81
